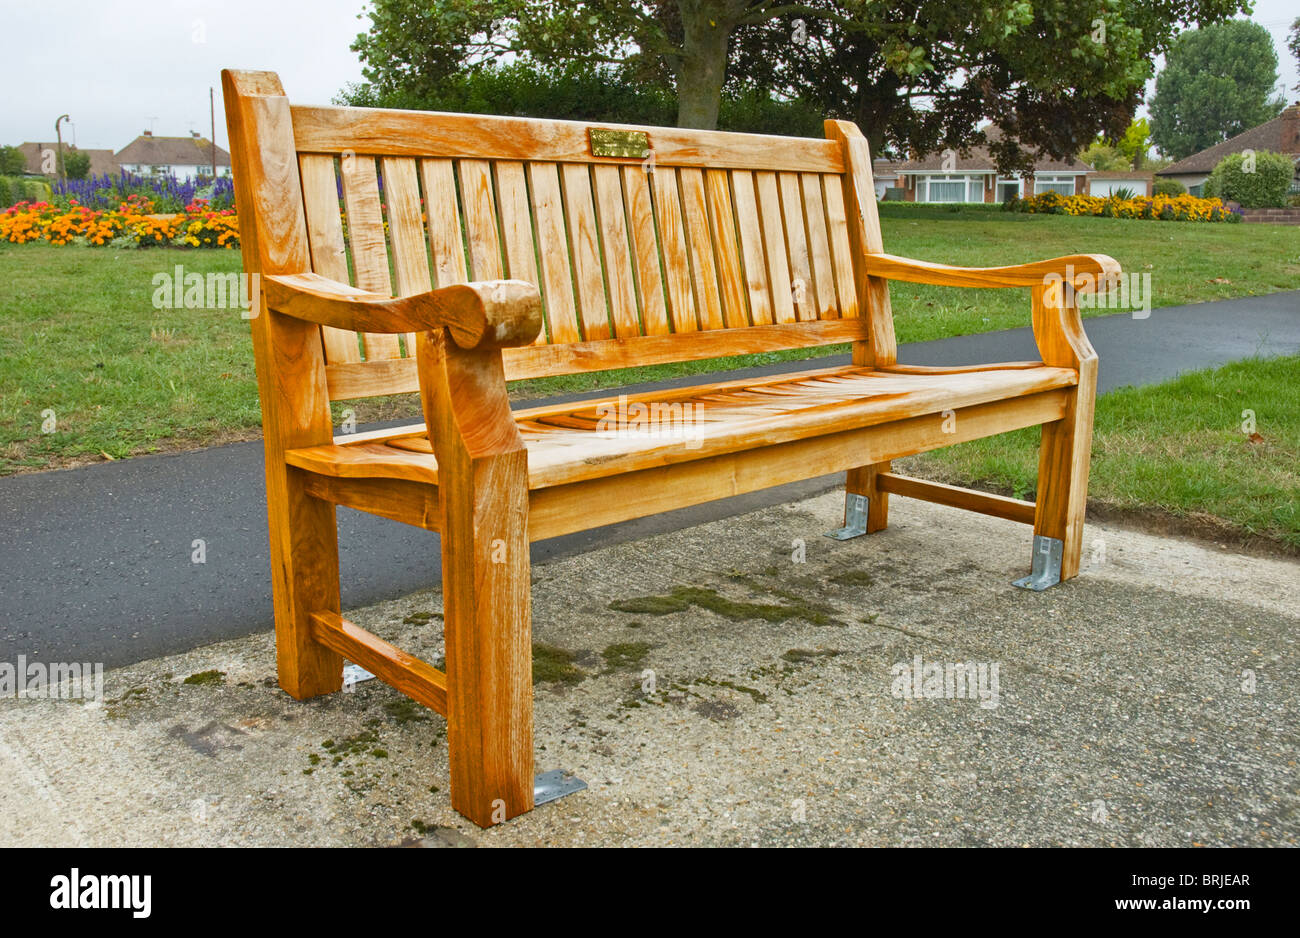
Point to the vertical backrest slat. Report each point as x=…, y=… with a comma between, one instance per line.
x=556, y=283
x=517, y=225
x=645, y=249
x=842, y=263
x=803, y=289
x=695, y=212
x=479, y=206
x=406, y=231
x=446, y=242
x=616, y=250
x=819, y=246
x=751, y=246
x=369, y=246
x=776, y=249
x=583, y=242
x=722, y=220
x=329, y=255
x=676, y=254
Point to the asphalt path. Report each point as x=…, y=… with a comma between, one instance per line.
x=97, y=563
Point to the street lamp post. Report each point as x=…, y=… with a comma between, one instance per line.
x=58, y=133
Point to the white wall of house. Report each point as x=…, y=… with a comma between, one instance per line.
x=1107, y=187
x=177, y=170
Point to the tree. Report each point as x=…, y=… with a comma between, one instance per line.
x=1217, y=82
x=12, y=161
x=76, y=164
x=1105, y=158
x=1135, y=142
x=914, y=75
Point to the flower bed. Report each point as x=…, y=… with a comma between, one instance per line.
x=133, y=222
x=1157, y=208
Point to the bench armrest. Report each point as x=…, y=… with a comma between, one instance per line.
x=488, y=314
x=1089, y=272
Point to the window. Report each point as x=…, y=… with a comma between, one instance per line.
x=1061, y=184
x=1008, y=189
x=947, y=190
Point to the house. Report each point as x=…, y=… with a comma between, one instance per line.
x=1280, y=135
x=183, y=157
x=41, y=160
x=1104, y=183
x=951, y=177
x=885, y=174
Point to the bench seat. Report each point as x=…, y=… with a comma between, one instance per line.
x=592, y=439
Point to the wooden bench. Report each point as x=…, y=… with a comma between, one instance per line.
x=518, y=248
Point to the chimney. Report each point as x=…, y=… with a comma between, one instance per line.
x=1290, y=142
x=148, y=133
x=194, y=134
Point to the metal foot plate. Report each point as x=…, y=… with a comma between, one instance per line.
x=1046, y=570
x=555, y=784
x=855, y=518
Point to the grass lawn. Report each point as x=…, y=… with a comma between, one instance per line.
x=1178, y=451
x=79, y=335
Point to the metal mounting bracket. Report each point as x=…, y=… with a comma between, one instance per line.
x=1046, y=569
x=552, y=785
x=855, y=517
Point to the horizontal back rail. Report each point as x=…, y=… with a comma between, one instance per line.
x=386, y=132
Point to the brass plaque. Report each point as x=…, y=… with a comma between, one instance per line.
x=620, y=144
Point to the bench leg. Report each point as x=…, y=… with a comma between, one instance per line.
x=488, y=637
x=860, y=484
x=1062, y=491
x=304, y=580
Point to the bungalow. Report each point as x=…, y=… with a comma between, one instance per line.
x=1280, y=135
x=885, y=174
x=951, y=177
x=183, y=157
x=41, y=161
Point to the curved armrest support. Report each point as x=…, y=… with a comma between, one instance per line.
x=488, y=314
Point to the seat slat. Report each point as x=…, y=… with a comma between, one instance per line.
x=553, y=252
x=802, y=288
x=645, y=249
x=726, y=247
x=369, y=246
x=580, y=212
x=751, y=245
x=819, y=246
x=676, y=255
x=775, y=247
x=329, y=255
x=615, y=248
x=406, y=231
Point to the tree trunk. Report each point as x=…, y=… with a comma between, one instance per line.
x=707, y=26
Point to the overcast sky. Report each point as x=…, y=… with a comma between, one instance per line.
x=120, y=68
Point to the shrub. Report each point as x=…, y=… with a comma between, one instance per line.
x=76, y=164
x=1160, y=208
x=1258, y=179
x=1170, y=187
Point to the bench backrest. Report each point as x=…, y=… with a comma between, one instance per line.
x=650, y=245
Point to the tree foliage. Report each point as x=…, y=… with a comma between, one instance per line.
x=12, y=161
x=915, y=75
x=1293, y=43
x=76, y=164
x=1217, y=82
